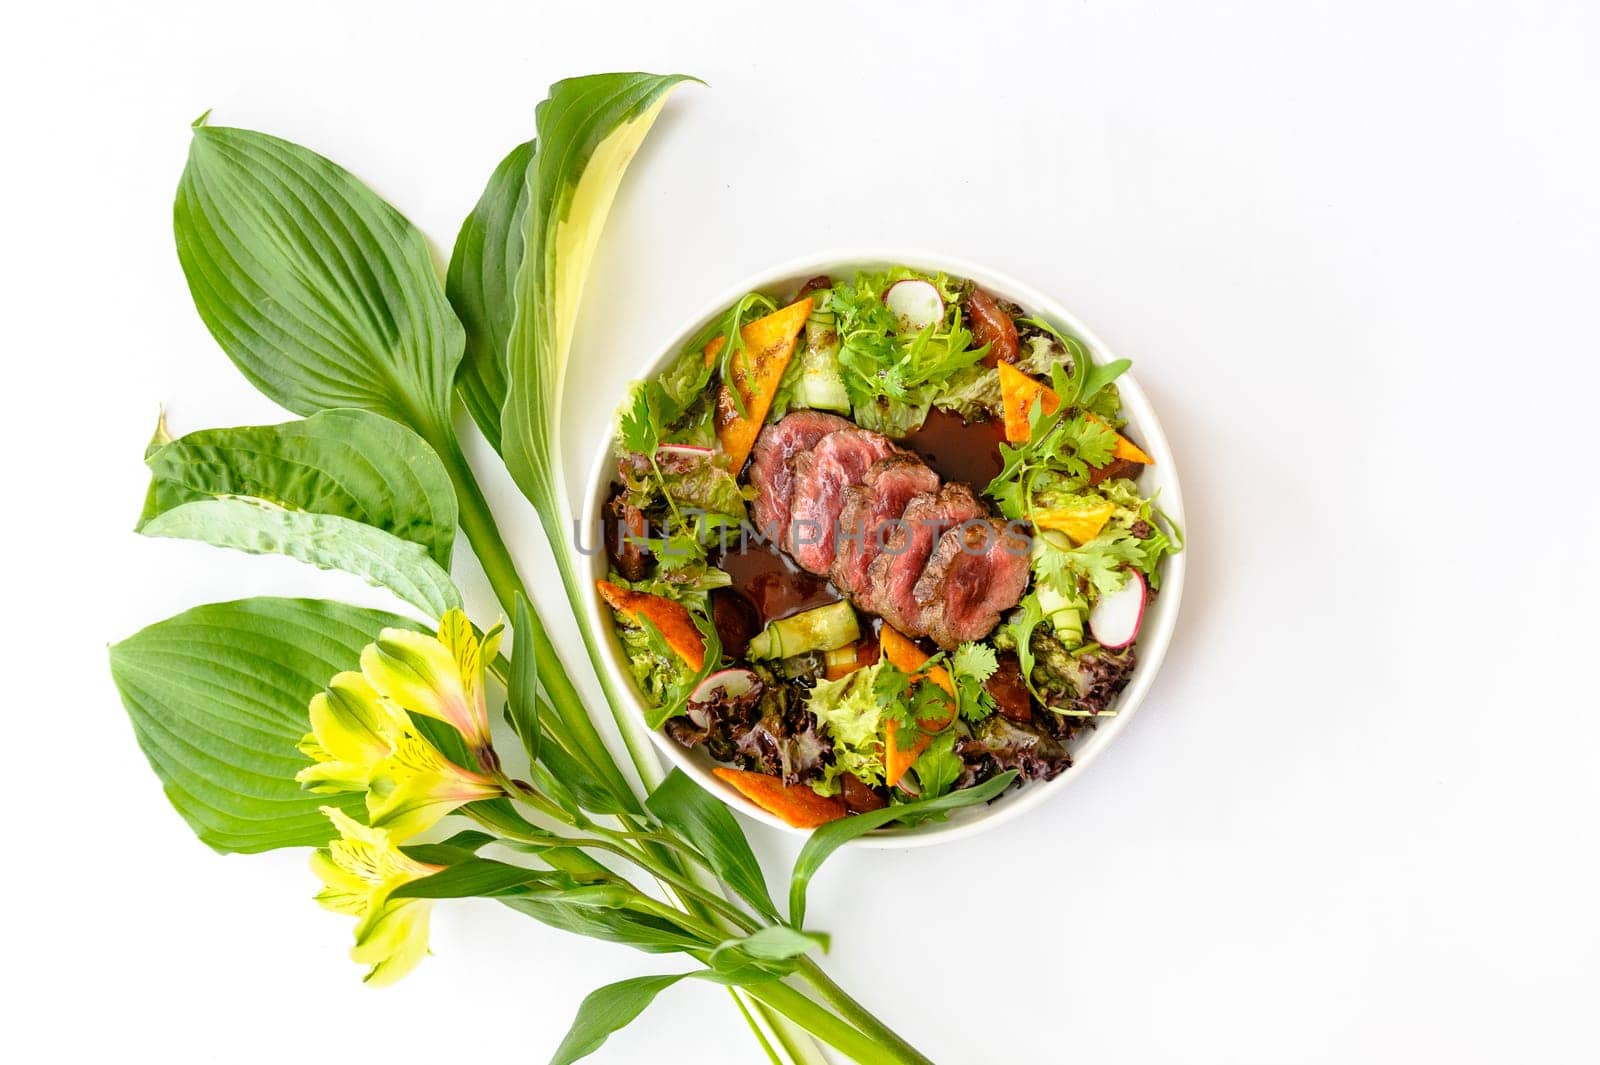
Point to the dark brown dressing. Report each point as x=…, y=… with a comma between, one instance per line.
x=959, y=450
x=770, y=581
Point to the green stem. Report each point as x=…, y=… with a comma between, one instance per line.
x=477, y=521
x=755, y=1027
x=826, y=1026
x=634, y=736
x=684, y=888
x=856, y=1013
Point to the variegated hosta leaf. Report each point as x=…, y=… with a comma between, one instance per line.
x=589, y=129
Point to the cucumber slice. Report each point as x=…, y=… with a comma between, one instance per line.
x=821, y=386
x=822, y=628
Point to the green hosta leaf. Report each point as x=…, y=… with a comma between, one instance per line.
x=346, y=463
x=218, y=698
x=343, y=489
x=835, y=834
x=688, y=809
x=483, y=270
x=321, y=293
x=323, y=540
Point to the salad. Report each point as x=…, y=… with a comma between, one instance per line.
x=879, y=538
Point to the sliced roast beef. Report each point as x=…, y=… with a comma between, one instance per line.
x=880, y=497
x=907, y=545
x=770, y=470
x=977, y=570
x=821, y=475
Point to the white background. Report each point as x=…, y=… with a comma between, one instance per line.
x=1352, y=249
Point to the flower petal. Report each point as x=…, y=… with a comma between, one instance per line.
x=422, y=675
x=352, y=729
x=392, y=939
x=416, y=786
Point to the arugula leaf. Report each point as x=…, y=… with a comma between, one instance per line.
x=835, y=834
x=1058, y=456
x=218, y=697
x=483, y=268
x=1019, y=627
x=1098, y=378
x=728, y=328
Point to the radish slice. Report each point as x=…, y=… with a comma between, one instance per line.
x=682, y=451
x=726, y=683
x=1115, y=619
x=916, y=303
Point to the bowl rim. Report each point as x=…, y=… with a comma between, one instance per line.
x=1153, y=644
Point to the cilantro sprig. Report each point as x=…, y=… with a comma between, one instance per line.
x=1061, y=452
x=971, y=665
x=892, y=377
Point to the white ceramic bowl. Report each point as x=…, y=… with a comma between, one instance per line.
x=1159, y=620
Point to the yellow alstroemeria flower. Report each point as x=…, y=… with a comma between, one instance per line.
x=437, y=676
x=360, y=871
x=411, y=789
x=352, y=730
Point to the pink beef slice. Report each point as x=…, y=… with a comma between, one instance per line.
x=977, y=570
x=771, y=471
x=838, y=461
x=869, y=508
x=895, y=571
